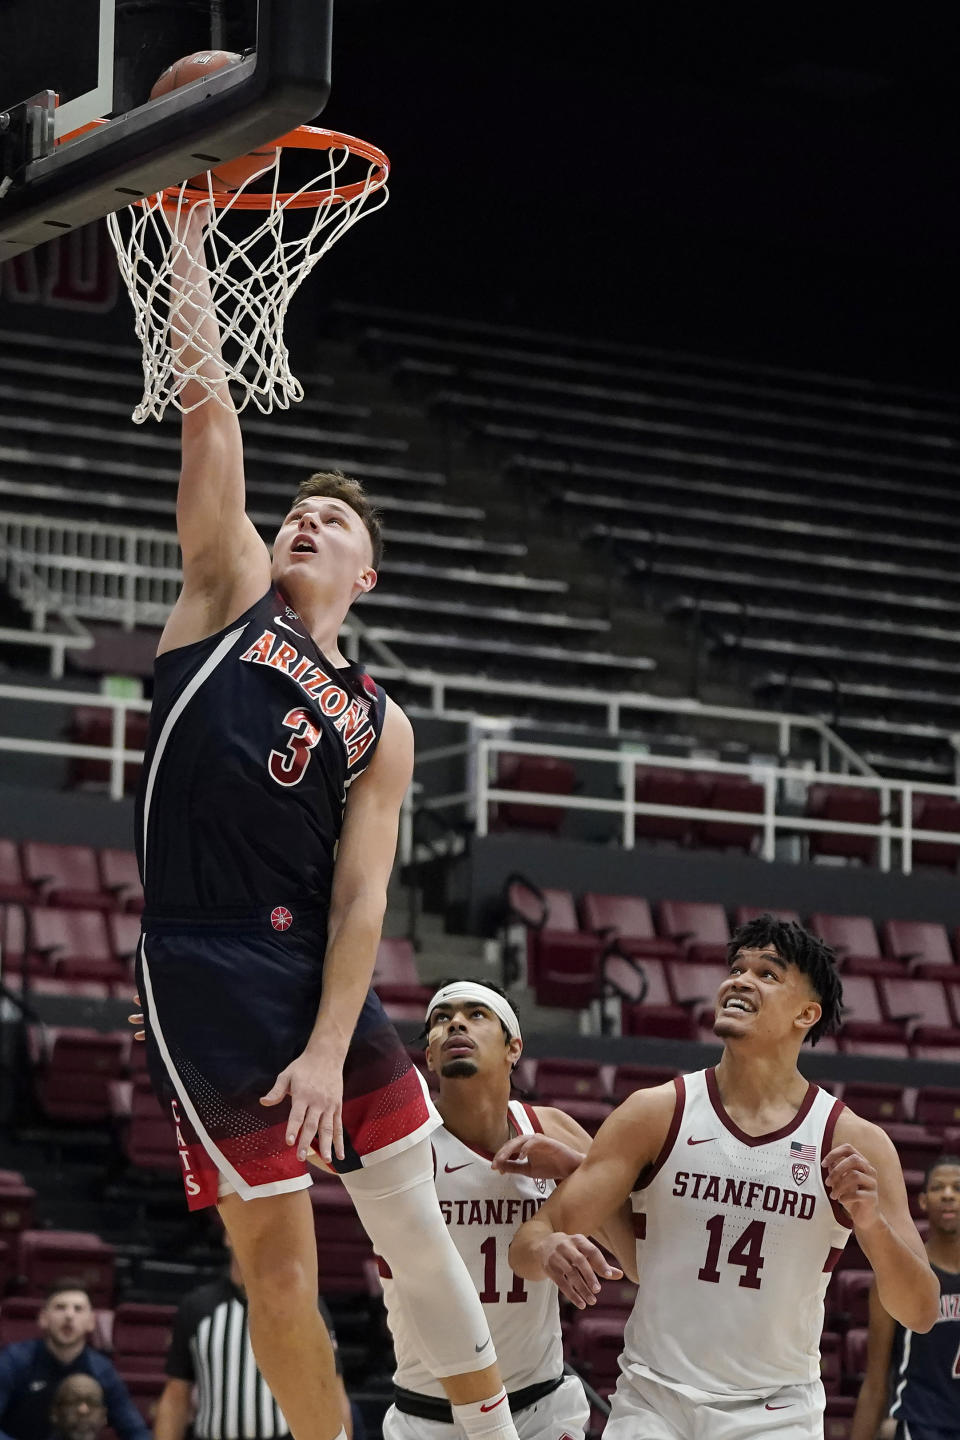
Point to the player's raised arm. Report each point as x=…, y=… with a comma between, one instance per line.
x=555, y=1244
x=226, y=566
x=863, y=1175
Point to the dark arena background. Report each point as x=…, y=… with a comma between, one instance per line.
x=651, y=363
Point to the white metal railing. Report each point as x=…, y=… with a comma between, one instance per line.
x=896, y=797
x=132, y=577
x=116, y=755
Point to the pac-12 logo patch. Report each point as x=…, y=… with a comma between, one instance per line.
x=280, y=918
x=800, y=1173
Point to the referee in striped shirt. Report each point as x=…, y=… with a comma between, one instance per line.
x=214, y=1389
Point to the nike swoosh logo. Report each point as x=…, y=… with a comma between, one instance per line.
x=478, y=1348
x=278, y=621
x=450, y=1170
x=777, y=1407
x=691, y=1141
x=485, y=1409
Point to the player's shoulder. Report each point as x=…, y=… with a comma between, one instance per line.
x=556, y=1124
x=853, y=1129
x=652, y=1101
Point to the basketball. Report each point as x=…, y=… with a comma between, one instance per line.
x=229, y=175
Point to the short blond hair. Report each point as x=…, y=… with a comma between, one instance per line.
x=334, y=485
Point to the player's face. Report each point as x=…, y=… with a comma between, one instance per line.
x=323, y=545
x=67, y=1318
x=79, y=1411
x=465, y=1038
x=941, y=1199
x=763, y=999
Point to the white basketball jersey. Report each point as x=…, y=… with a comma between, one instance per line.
x=736, y=1239
x=483, y=1211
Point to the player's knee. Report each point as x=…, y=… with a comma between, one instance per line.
x=278, y=1287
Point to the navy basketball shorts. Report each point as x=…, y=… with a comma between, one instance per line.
x=227, y=1005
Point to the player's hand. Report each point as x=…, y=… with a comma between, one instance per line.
x=537, y=1156
x=576, y=1266
x=851, y=1180
x=137, y=1020
x=315, y=1086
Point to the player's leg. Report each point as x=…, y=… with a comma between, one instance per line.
x=273, y=1240
x=564, y=1414
x=640, y=1408
x=398, y=1207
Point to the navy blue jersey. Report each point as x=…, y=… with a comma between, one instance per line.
x=925, y=1370
x=254, y=739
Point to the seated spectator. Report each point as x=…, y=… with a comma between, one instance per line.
x=214, y=1390
x=78, y=1411
x=31, y=1371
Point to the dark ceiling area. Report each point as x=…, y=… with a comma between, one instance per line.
x=767, y=186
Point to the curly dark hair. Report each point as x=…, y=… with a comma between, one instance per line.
x=940, y=1160
x=811, y=955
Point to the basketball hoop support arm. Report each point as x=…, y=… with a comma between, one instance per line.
x=285, y=82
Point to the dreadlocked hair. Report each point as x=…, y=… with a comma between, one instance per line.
x=812, y=956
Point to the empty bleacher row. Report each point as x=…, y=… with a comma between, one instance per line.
x=805, y=522
x=455, y=576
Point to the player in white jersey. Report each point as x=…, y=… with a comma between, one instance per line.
x=750, y=1180
x=495, y=1160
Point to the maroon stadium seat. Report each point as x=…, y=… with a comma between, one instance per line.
x=922, y=1006
x=875, y=1101
x=92, y=725
x=863, y=1017
x=921, y=945
x=695, y=986
x=937, y=1107
x=877, y=1049
x=917, y=1146
x=744, y=913
x=638, y=1077
x=854, y=938
x=654, y=786
x=850, y=805
x=17, y=1204
x=838, y=1417
x=570, y=1079
x=563, y=964
x=831, y=1374
x=596, y=1342
x=14, y=885
x=396, y=981
x=141, y=1336
x=542, y=774
x=698, y=927
x=936, y=812
x=74, y=943
x=855, y=1353
x=737, y=793
x=45, y=1255
x=66, y=875
x=73, y=1081
x=15, y=944
x=146, y=1387
x=588, y=1113
x=18, y=1318
x=120, y=877
x=627, y=919
x=851, y=1289
x=123, y=929
x=648, y=1008
x=146, y=1129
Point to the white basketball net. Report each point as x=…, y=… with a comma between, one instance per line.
x=252, y=274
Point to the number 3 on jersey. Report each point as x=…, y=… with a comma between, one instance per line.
x=287, y=766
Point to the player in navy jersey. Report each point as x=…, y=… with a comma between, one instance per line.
x=916, y=1378
x=745, y=1182
x=266, y=830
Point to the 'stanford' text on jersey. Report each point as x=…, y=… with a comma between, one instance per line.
x=254, y=741
x=483, y=1211
x=736, y=1240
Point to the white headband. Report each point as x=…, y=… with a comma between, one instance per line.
x=468, y=990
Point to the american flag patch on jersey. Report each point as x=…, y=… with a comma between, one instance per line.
x=802, y=1152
